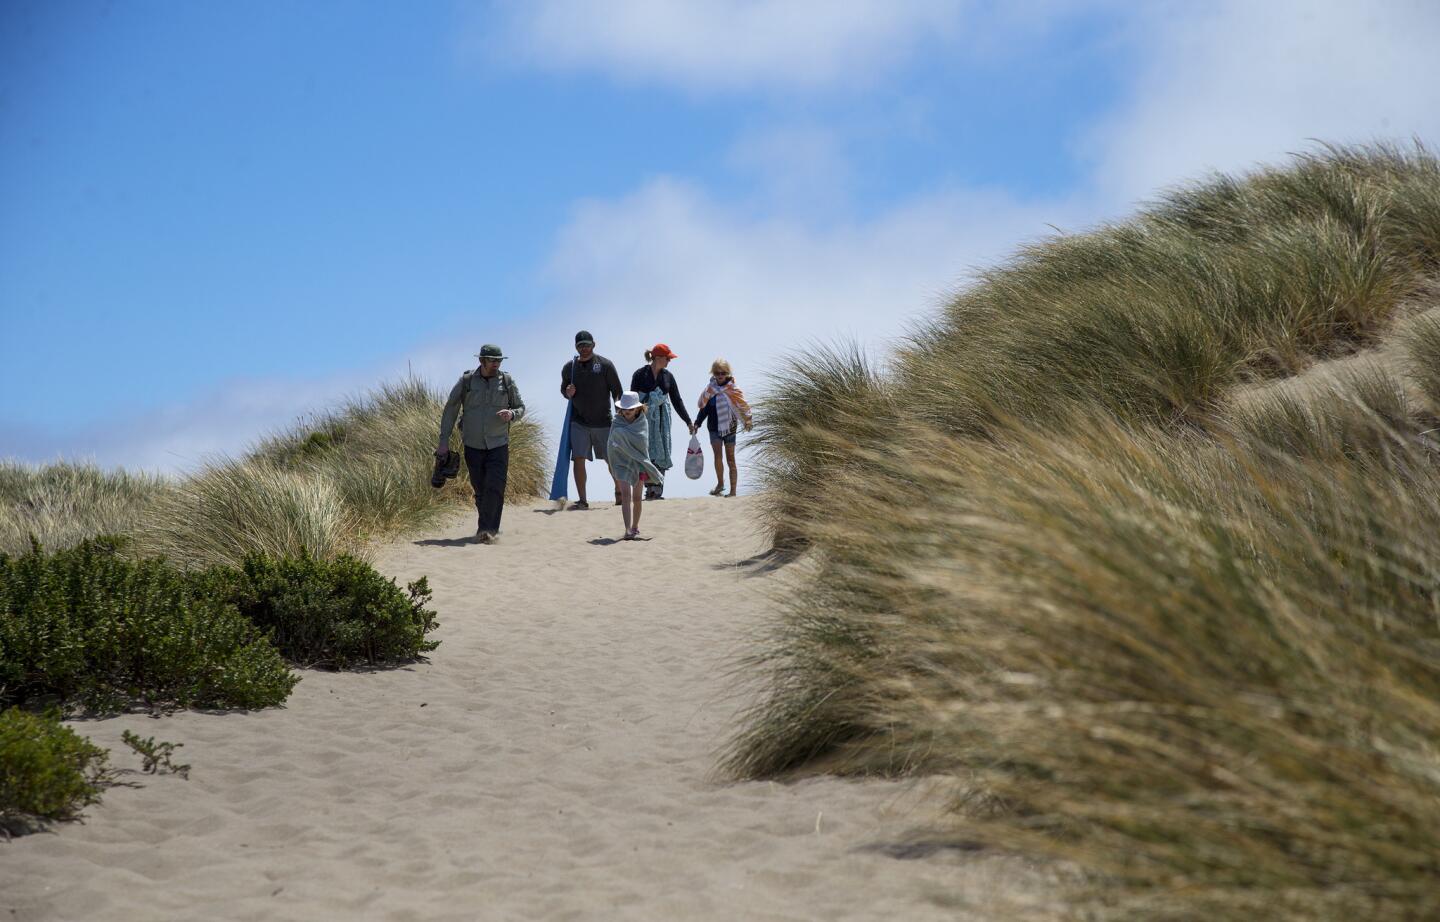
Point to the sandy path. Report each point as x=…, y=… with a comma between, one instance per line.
x=553, y=760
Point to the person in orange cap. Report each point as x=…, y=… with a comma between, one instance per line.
x=656, y=386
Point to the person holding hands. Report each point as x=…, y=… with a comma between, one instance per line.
x=656, y=386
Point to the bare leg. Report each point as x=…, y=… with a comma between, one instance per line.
x=719, y=468
x=637, y=494
x=625, y=506
x=579, y=465
x=734, y=471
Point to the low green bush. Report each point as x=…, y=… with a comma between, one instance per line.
x=86, y=625
x=331, y=612
x=47, y=770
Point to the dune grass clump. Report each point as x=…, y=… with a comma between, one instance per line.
x=796, y=458
x=1140, y=545
x=393, y=431
x=329, y=486
x=1422, y=344
x=1205, y=673
x=232, y=509
x=375, y=455
x=62, y=504
x=321, y=489
x=1227, y=283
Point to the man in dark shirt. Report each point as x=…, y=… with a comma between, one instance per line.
x=592, y=385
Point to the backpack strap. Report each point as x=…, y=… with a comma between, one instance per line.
x=505, y=379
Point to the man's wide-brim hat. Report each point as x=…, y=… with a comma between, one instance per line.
x=490, y=351
x=628, y=401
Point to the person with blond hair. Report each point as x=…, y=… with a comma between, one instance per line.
x=724, y=411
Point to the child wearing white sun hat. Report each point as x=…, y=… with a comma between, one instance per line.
x=629, y=454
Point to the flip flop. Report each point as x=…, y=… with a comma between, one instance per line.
x=718, y=490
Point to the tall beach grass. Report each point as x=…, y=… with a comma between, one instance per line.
x=330, y=484
x=62, y=504
x=1138, y=543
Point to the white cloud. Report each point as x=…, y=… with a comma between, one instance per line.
x=725, y=44
x=671, y=263
x=798, y=168
x=1224, y=86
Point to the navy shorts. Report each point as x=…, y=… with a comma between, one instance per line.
x=588, y=442
x=718, y=439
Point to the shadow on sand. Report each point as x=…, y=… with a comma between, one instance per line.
x=910, y=851
x=761, y=563
x=445, y=542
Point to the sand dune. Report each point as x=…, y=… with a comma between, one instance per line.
x=552, y=760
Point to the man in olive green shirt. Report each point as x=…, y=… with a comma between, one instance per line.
x=491, y=402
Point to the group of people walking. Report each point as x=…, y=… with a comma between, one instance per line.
x=629, y=430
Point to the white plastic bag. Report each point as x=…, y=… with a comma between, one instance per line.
x=694, y=459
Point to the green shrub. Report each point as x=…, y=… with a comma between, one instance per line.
x=331, y=612
x=87, y=625
x=47, y=770
x=157, y=756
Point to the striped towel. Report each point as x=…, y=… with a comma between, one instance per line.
x=729, y=403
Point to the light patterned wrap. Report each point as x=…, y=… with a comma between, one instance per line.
x=730, y=403
x=658, y=413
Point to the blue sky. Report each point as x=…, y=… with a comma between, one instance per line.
x=217, y=216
